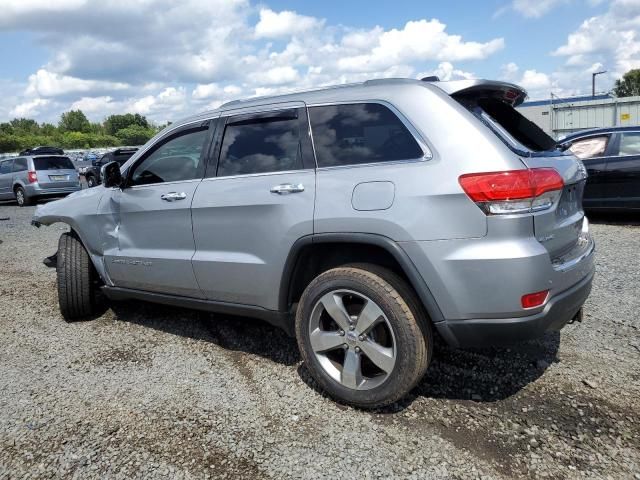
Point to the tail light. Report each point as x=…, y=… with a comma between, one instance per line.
x=32, y=177
x=513, y=191
x=532, y=300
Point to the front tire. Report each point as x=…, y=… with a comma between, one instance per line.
x=22, y=198
x=76, y=279
x=363, y=335
x=91, y=181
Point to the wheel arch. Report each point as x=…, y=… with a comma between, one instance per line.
x=310, y=252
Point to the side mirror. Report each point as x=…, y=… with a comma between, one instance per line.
x=111, y=176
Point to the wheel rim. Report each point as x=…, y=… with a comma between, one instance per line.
x=90, y=182
x=20, y=197
x=352, y=339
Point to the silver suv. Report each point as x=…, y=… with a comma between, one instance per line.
x=361, y=218
x=28, y=178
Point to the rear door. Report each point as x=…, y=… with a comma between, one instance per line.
x=55, y=172
x=153, y=216
x=622, y=175
x=252, y=208
x=6, y=179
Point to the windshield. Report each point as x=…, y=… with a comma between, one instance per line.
x=510, y=125
x=53, y=163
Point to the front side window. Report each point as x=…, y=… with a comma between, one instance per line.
x=589, y=147
x=359, y=133
x=630, y=144
x=261, y=145
x=5, y=167
x=20, y=165
x=178, y=158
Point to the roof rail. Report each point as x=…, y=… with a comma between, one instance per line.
x=432, y=78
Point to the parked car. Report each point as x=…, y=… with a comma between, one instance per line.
x=612, y=159
x=358, y=218
x=27, y=178
x=43, y=150
x=119, y=155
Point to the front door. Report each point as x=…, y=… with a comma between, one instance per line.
x=247, y=216
x=154, y=239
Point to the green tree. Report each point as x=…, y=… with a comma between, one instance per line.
x=48, y=129
x=74, y=121
x=629, y=84
x=135, y=135
x=24, y=125
x=114, y=123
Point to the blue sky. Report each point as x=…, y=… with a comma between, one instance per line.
x=167, y=59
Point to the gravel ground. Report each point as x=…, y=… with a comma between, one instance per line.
x=149, y=391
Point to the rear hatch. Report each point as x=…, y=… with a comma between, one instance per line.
x=558, y=228
x=55, y=172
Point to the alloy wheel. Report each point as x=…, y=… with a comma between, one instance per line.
x=352, y=339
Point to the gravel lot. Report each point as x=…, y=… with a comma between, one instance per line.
x=149, y=391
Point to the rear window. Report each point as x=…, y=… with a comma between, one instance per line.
x=122, y=157
x=510, y=125
x=53, y=163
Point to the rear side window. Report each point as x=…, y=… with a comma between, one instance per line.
x=19, y=164
x=359, y=133
x=53, y=163
x=261, y=145
x=5, y=167
x=630, y=144
x=589, y=147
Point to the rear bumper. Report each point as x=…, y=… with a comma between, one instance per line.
x=37, y=191
x=559, y=310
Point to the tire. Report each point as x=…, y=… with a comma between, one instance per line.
x=76, y=279
x=22, y=198
x=91, y=181
x=391, y=356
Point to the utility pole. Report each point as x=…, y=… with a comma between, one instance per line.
x=593, y=82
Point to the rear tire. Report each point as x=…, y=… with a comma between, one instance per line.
x=22, y=198
x=390, y=355
x=76, y=279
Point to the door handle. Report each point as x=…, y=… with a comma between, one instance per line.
x=173, y=196
x=287, y=188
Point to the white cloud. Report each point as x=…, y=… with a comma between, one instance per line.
x=30, y=108
x=283, y=24
x=417, y=41
x=535, y=8
x=166, y=59
x=49, y=84
x=445, y=71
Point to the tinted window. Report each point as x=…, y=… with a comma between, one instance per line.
x=630, y=144
x=19, y=164
x=360, y=133
x=122, y=158
x=5, y=167
x=259, y=146
x=177, y=159
x=589, y=147
x=53, y=163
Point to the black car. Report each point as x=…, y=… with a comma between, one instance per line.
x=612, y=159
x=120, y=155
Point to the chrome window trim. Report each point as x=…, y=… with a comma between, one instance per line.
x=420, y=140
x=262, y=174
x=192, y=180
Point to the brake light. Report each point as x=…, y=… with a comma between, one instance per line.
x=32, y=177
x=513, y=191
x=532, y=300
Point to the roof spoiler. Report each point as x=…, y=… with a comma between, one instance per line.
x=508, y=92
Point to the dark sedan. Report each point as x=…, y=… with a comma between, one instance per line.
x=612, y=159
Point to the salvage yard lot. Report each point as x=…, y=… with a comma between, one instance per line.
x=150, y=391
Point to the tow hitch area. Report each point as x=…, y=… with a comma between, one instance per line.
x=577, y=317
